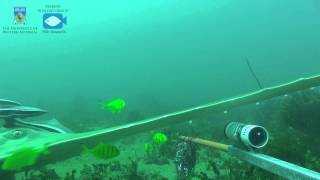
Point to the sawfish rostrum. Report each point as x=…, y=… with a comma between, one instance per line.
x=6, y=103
x=20, y=112
x=12, y=113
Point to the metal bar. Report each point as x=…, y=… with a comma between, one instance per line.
x=276, y=166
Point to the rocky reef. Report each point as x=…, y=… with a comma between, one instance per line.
x=301, y=111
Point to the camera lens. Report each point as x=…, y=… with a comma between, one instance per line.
x=254, y=136
x=250, y=135
x=257, y=136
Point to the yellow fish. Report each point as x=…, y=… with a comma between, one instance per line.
x=22, y=158
x=103, y=151
x=159, y=138
x=115, y=106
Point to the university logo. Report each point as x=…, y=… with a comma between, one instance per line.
x=20, y=15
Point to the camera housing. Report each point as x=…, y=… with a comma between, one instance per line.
x=252, y=136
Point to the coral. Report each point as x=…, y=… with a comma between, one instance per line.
x=154, y=156
x=214, y=167
x=93, y=172
x=113, y=170
x=85, y=173
x=203, y=176
x=237, y=169
x=132, y=171
x=42, y=174
x=152, y=176
x=70, y=176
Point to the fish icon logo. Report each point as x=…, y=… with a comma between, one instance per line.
x=54, y=20
x=20, y=15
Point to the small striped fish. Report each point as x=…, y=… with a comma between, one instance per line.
x=102, y=151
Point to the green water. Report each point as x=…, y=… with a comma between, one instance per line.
x=134, y=47
x=160, y=56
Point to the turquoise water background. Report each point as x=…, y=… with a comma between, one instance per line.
x=181, y=53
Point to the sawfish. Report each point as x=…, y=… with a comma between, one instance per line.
x=13, y=114
x=66, y=145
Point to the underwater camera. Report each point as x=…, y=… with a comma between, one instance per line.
x=251, y=136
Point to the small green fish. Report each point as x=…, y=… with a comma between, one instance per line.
x=103, y=151
x=147, y=147
x=159, y=138
x=115, y=106
x=22, y=158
